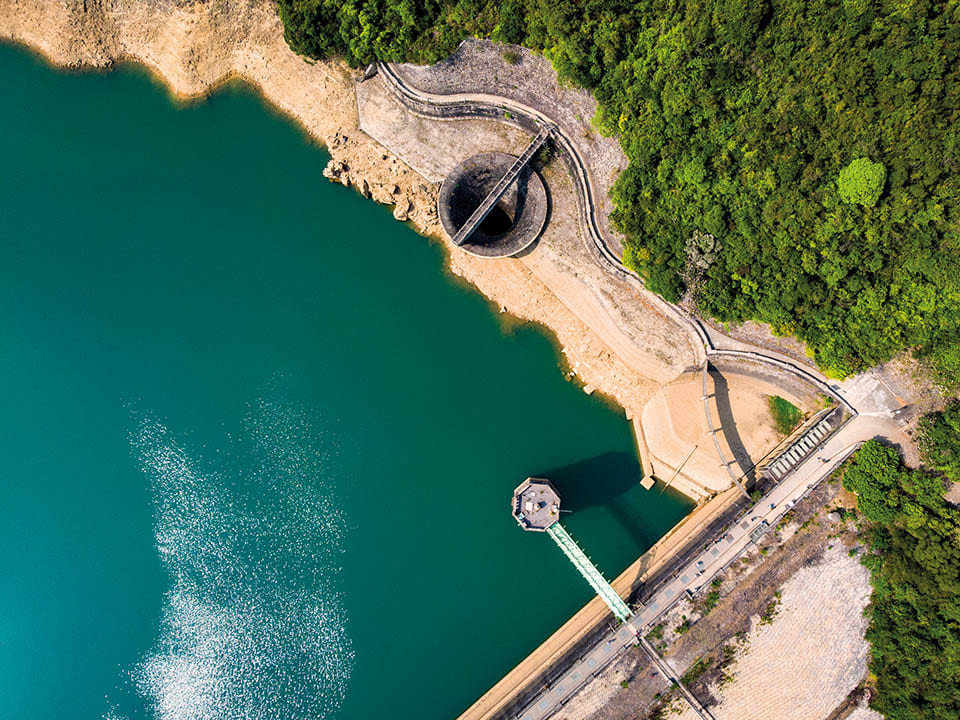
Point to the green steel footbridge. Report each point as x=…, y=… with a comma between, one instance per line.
x=536, y=506
x=589, y=571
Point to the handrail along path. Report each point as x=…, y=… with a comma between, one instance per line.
x=479, y=105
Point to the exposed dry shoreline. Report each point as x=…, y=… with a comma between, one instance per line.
x=194, y=46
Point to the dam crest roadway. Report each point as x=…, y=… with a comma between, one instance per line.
x=550, y=676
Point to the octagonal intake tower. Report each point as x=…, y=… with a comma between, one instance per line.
x=536, y=504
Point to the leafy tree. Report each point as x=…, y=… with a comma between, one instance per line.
x=940, y=441
x=739, y=119
x=862, y=182
x=914, y=563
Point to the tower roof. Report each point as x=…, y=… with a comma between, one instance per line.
x=536, y=504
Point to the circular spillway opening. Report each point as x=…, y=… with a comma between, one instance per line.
x=497, y=223
x=513, y=224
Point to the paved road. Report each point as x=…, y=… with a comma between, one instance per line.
x=867, y=394
x=727, y=548
x=770, y=509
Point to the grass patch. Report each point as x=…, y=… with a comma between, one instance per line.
x=786, y=415
x=511, y=57
x=696, y=670
x=656, y=633
x=770, y=612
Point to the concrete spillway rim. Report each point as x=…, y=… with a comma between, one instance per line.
x=526, y=228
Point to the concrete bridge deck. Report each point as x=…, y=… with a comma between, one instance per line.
x=478, y=215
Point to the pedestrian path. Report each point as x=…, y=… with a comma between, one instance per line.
x=713, y=558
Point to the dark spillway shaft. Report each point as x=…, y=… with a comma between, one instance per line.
x=489, y=202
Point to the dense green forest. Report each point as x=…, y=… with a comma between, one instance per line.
x=940, y=441
x=914, y=537
x=814, y=146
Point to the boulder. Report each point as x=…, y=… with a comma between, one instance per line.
x=333, y=169
x=402, y=211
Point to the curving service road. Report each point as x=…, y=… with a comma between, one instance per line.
x=877, y=417
x=483, y=105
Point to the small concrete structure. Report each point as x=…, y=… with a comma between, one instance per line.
x=517, y=219
x=536, y=504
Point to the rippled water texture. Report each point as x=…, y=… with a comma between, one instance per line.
x=254, y=625
x=257, y=447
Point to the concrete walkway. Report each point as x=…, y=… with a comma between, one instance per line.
x=878, y=419
x=700, y=569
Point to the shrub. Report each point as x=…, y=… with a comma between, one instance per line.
x=656, y=633
x=914, y=564
x=786, y=415
x=740, y=120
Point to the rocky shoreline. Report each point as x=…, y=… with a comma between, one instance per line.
x=194, y=46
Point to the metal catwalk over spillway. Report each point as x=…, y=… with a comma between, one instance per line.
x=589, y=571
x=478, y=215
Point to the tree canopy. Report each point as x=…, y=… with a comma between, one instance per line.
x=861, y=182
x=940, y=441
x=914, y=629
x=817, y=141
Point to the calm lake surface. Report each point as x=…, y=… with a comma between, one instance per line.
x=257, y=446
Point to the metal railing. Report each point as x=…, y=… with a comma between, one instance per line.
x=478, y=215
x=589, y=571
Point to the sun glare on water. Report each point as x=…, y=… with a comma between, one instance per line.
x=253, y=625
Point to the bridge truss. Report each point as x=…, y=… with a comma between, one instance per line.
x=589, y=571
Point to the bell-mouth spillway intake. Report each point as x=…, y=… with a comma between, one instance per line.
x=515, y=222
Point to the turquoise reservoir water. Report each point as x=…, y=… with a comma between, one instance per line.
x=257, y=447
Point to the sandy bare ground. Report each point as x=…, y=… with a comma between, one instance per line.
x=813, y=653
x=652, y=345
x=479, y=66
x=804, y=663
x=864, y=713
x=195, y=46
